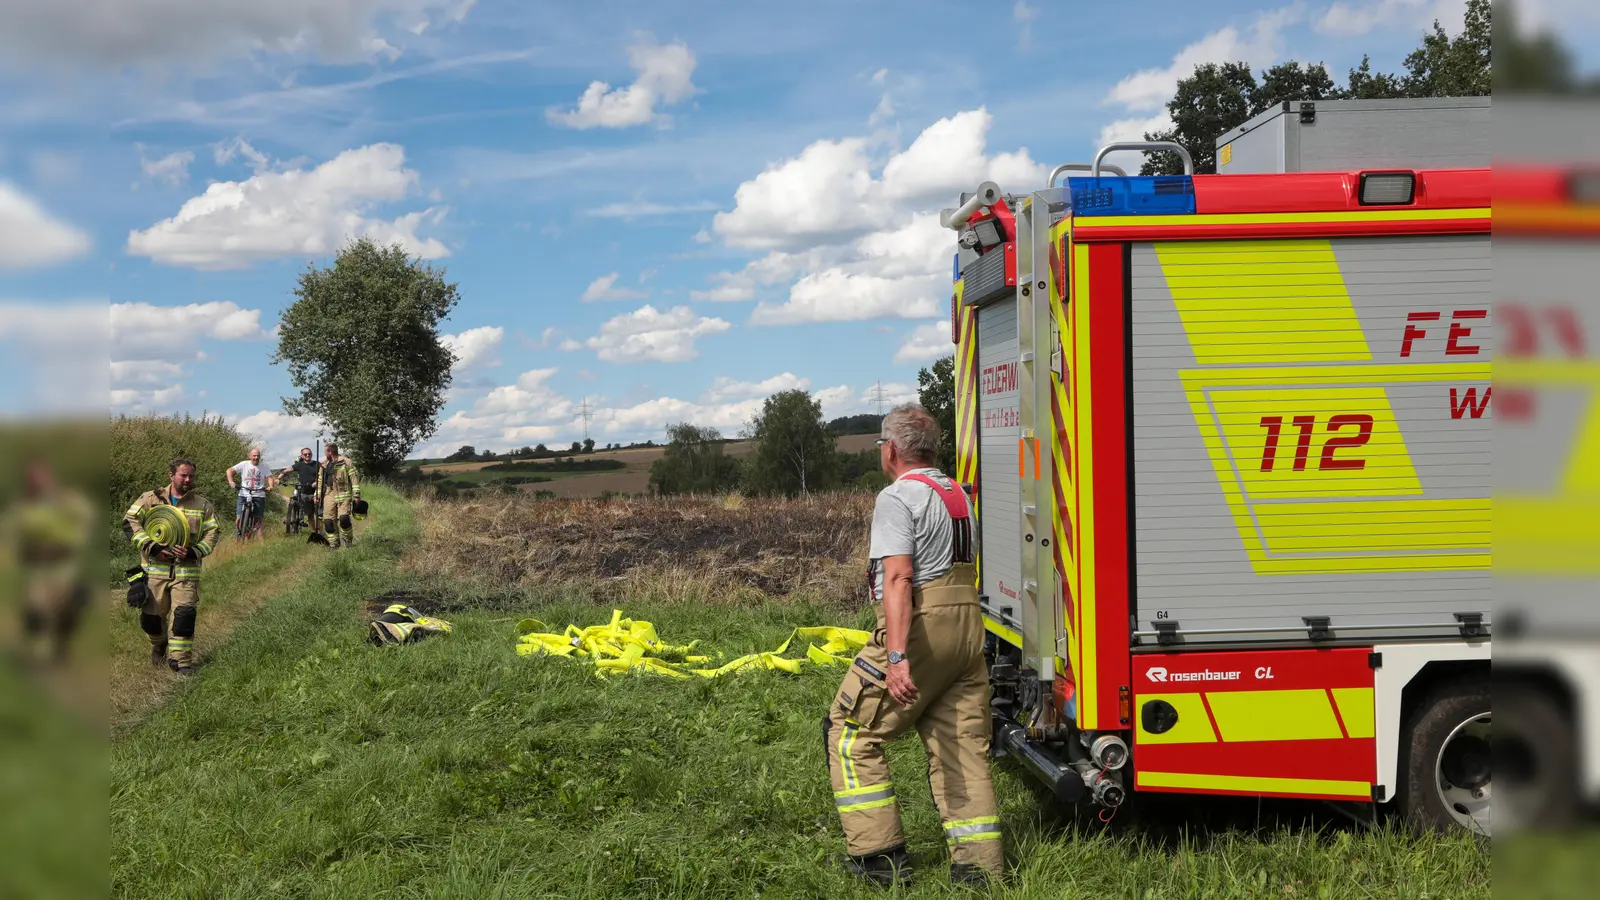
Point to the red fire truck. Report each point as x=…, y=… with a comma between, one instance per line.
x=1228, y=441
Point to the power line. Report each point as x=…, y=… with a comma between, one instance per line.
x=586, y=414
x=877, y=396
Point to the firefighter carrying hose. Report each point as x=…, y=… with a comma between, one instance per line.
x=923, y=668
x=340, y=486
x=47, y=535
x=173, y=529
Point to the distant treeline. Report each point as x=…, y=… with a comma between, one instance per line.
x=795, y=453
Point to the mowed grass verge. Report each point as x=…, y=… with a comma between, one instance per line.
x=303, y=762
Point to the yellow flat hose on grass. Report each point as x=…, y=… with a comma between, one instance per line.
x=166, y=525
x=624, y=645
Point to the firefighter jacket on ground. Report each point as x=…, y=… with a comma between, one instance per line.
x=401, y=624
x=944, y=649
x=172, y=587
x=340, y=485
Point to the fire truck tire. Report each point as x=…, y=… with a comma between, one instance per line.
x=1536, y=752
x=1447, y=732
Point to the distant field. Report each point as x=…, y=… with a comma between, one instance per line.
x=634, y=479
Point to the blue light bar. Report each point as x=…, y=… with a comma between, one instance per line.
x=1160, y=195
x=957, y=276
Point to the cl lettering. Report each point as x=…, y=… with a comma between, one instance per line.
x=1264, y=673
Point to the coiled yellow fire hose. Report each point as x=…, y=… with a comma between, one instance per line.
x=167, y=526
x=623, y=645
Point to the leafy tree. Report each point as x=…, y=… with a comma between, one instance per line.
x=862, y=471
x=936, y=390
x=541, y=450
x=1536, y=62
x=1364, y=84
x=1219, y=97
x=577, y=447
x=588, y=445
x=362, y=344
x=1458, y=67
x=467, y=453
x=794, y=454
x=865, y=423
x=693, y=463
x=487, y=454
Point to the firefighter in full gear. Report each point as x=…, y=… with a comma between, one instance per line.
x=340, y=487
x=47, y=535
x=924, y=668
x=173, y=529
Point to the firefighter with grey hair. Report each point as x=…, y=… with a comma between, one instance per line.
x=923, y=668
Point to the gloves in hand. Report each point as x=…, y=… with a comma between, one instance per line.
x=138, y=590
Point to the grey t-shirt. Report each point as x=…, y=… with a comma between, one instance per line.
x=911, y=520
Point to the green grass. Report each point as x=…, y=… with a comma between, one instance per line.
x=302, y=762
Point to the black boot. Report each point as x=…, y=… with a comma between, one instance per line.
x=970, y=875
x=891, y=867
x=185, y=671
x=158, y=655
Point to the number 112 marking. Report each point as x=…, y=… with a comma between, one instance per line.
x=1307, y=426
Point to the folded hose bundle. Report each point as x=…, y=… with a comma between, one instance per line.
x=623, y=645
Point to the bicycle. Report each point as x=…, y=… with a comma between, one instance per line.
x=300, y=510
x=250, y=524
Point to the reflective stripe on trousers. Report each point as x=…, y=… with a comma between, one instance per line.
x=872, y=796
x=980, y=828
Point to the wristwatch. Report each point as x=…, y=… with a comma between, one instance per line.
x=895, y=656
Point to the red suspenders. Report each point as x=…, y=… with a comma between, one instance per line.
x=955, y=503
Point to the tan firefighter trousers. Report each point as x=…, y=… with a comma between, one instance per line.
x=180, y=600
x=336, y=522
x=944, y=648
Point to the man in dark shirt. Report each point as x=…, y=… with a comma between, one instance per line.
x=306, y=470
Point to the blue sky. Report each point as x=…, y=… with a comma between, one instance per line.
x=664, y=209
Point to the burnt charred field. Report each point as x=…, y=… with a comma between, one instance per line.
x=719, y=551
x=303, y=762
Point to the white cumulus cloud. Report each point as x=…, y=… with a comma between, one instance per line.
x=898, y=274
x=724, y=389
x=293, y=213
x=1261, y=43
x=1346, y=19
x=605, y=288
x=146, y=331
x=475, y=347
x=280, y=435
x=30, y=237
x=117, y=33
x=664, y=78
x=531, y=392
x=927, y=342
x=855, y=241
x=649, y=335
x=824, y=195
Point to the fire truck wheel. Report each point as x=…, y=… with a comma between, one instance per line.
x=1537, y=755
x=1445, y=773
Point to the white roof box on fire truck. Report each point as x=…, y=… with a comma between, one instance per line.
x=1346, y=135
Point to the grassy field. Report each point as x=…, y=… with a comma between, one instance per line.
x=302, y=762
x=632, y=479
